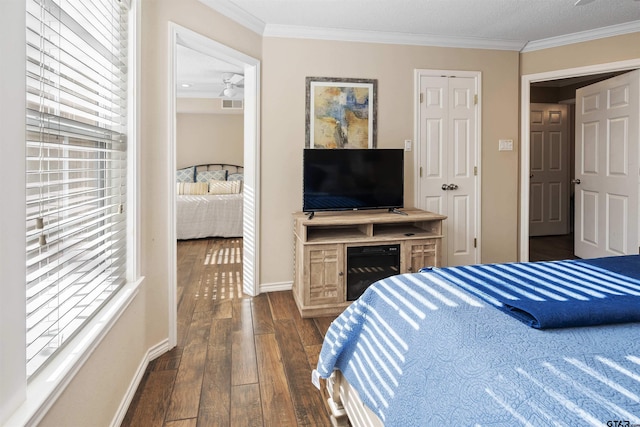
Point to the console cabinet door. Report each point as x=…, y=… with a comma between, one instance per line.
x=421, y=253
x=324, y=274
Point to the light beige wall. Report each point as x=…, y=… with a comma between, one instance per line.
x=204, y=105
x=286, y=63
x=94, y=394
x=610, y=49
x=155, y=169
x=209, y=138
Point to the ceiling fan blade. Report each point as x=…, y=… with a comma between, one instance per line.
x=236, y=78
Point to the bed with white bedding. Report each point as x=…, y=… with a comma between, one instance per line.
x=209, y=202
x=199, y=216
x=537, y=344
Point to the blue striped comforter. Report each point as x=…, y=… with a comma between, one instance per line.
x=432, y=349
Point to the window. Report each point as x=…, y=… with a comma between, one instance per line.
x=76, y=166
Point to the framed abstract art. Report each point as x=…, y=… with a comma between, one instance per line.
x=341, y=112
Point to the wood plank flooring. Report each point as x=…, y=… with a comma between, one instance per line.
x=240, y=361
x=551, y=248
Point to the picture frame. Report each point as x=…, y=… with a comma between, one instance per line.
x=341, y=112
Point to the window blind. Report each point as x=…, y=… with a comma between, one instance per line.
x=76, y=166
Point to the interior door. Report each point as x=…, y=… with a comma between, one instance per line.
x=549, y=179
x=448, y=159
x=606, y=192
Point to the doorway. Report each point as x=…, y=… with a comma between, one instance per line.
x=577, y=77
x=251, y=196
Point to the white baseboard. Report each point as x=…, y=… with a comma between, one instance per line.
x=153, y=353
x=275, y=287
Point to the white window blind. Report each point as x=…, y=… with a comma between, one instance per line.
x=76, y=161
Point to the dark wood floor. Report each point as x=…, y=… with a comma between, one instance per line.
x=551, y=248
x=240, y=361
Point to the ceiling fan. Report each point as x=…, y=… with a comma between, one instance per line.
x=231, y=82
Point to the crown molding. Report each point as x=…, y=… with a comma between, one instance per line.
x=299, y=32
x=583, y=36
x=237, y=14
x=244, y=18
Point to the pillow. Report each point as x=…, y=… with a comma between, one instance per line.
x=224, y=187
x=235, y=177
x=192, y=188
x=206, y=176
x=184, y=175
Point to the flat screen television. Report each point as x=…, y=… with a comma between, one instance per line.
x=352, y=179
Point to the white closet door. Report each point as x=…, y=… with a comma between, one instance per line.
x=448, y=158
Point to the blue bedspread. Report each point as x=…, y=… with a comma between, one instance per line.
x=558, y=294
x=422, y=349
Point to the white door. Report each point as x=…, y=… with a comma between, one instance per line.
x=606, y=191
x=549, y=170
x=447, y=126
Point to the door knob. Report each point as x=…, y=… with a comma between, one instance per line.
x=575, y=181
x=452, y=187
x=445, y=187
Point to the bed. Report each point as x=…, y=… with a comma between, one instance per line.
x=537, y=344
x=209, y=201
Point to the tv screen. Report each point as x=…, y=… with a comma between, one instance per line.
x=352, y=179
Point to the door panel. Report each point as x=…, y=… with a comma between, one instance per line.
x=590, y=217
x=434, y=204
x=617, y=222
x=461, y=148
x=536, y=205
x=433, y=153
x=607, y=133
x=549, y=182
x=459, y=215
x=448, y=145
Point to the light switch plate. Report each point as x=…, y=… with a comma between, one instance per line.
x=505, y=145
x=407, y=145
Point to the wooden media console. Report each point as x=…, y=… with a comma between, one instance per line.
x=322, y=242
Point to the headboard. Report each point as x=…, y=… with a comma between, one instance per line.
x=218, y=166
x=190, y=173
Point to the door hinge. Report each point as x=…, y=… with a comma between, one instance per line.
x=475, y=99
x=420, y=171
x=421, y=98
x=475, y=171
x=475, y=242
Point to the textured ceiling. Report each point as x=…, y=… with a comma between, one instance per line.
x=202, y=74
x=519, y=21
x=499, y=24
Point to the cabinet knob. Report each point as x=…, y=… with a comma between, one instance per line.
x=341, y=274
